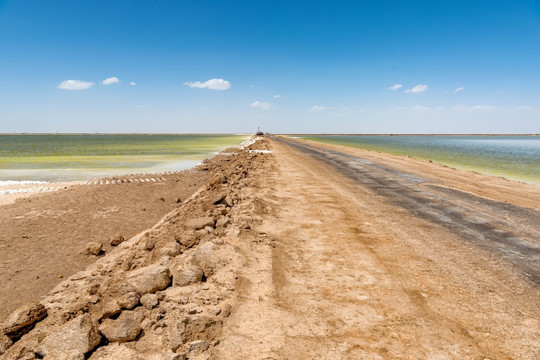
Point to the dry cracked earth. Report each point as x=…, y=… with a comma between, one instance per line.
x=299, y=251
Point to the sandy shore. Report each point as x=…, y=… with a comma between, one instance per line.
x=292, y=250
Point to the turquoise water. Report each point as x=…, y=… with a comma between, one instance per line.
x=81, y=157
x=513, y=157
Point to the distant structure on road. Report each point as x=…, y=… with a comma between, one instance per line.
x=259, y=132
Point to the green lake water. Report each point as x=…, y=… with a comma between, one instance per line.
x=81, y=157
x=513, y=157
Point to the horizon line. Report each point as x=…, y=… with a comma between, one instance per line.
x=235, y=133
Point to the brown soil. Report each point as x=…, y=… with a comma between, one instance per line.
x=356, y=275
x=311, y=252
x=42, y=236
x=164, y=293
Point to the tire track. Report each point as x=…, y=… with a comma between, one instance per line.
x=507, y=230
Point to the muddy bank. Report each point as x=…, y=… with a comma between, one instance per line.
x=162, y=294
x=42, y=235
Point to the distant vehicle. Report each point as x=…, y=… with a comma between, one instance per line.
x=259, y=132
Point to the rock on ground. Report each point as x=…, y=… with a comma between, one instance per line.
x=197, y=347
x=93, y=248
x=115, y=351
x=149, y=279
x=171, y=249
x=200, y=222
x=5, y=343
x=117, y=240
x=184, y=275
x=149, y=301
x=193, y=328
x=125, y=328
x=128, y=301
x=78, y=336
x=21, y=320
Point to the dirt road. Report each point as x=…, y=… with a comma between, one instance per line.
x=378, y=259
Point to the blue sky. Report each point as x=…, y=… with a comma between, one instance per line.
x=287, y=66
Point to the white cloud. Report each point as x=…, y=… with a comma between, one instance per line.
x=317, y=108
x=277, y=96
x=212, y=84
x=418, y=89
x=261, y=105
x=111, y=80
x=481, y=107
x=133, y=83
x=75, y=85
x=420, y=108
x=524, y=107
x=395, y=87
x=461, y=88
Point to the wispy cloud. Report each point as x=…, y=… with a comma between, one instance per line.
x=75, y=85
x=395, y=87
x=524, y=107
x=133, y=83
x=110, y=81
x=420, y=108
x=261, y=105
x=415, y=108
x=418, y=89
x=277, y=96
x=461, y=88
x=481, y=107
x=212, y=84
x=317, y=108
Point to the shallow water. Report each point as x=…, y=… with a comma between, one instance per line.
x=81, y=157
x=513, y=157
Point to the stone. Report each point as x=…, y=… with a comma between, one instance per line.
x=149, y=301
x=172, y=249
x=109, y=309
x=184, y=275
x=223, y=221
x=149, y=244
x=205, y=257
x=115, y=351
x=191, y=329
x=200, y=222
x=149, y=279
x=169, y=355
x=92, y=248
x=70, y=355
x=218, y=199
x=76, y=337
x=188, y=240
x=5, y=343
x=125, y=328
x=23, y=319
x=197, y=347
x=229, y=201
x=117, y=240
x=128, y=301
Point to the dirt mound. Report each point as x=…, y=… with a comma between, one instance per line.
x=163, y=294
x=43, y=237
